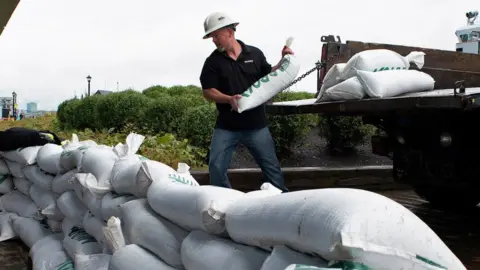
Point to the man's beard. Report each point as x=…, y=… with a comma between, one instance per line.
x=220, y=49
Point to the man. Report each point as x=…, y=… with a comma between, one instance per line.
x=229, y=70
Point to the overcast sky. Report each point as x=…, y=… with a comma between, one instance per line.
x=50, y=46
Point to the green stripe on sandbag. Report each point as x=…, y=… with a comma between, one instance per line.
x=430, y=262
x=3, y=177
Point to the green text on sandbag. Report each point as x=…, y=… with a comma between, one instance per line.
x=68, y=265
x=179, y=179
x=265, y=79
x=81, y=235
x=388, y=68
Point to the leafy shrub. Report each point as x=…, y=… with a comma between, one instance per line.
x=117, y=109
x=197, y=125
x=344, y=133
x=287, y=130
x=171, y=151
x=162, y=116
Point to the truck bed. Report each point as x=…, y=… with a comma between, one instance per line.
x=436, y=99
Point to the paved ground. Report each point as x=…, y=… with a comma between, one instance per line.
x=311, y=152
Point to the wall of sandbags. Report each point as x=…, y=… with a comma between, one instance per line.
x=89, y=206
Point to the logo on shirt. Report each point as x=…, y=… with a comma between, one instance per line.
x=248, y=61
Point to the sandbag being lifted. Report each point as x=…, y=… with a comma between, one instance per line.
x=268, y=86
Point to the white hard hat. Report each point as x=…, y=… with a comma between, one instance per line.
x=216, y=21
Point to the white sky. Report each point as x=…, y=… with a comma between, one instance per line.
x=50, y=46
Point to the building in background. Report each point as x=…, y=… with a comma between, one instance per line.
x=32, y=107
x=103, y=92
x=7, y=106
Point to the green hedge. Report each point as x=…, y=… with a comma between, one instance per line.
x=178, y=110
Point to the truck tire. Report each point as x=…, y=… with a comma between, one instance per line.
x=449, y=197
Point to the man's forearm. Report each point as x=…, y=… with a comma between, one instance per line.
x=216, y=96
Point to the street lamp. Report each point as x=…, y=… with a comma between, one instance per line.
x=14, y=101
x=89, y=78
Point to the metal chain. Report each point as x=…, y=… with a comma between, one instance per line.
x=318, y=66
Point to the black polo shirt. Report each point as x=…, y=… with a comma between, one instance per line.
x=233, y=77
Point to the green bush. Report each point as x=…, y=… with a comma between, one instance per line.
x=197, y=125
x=344, y=133
x=116, y=110
x=288, y=130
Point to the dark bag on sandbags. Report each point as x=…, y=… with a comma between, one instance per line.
x=18, y=137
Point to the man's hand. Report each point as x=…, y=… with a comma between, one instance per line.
x=286, y=50
x=234, y=102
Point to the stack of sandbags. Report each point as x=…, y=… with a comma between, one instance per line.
x=92, y=206
x=377, y=73
x=64, y=195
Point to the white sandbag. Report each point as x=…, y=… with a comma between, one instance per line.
x=350, y=89
x=4, y=167
x=395, y=82
x=149, y=172
x=94, y=227
x=268, y=86
x=92, y=202
x=29, y=230
x=202, y=251
x=6, y=229
x=124, y=174
x=71, y=207
x=135, y=257
x=64, y=182
x=16, y=169
x=368, y=227
x=38, y=177
x=48, y=158
x=73, y=151
x=381, y=60
x=89, y=182
x=48, y=254
x=6, y=183
x=111, y=203
x=145, y=228
x=17, y=202
x=22, y=184
x=78, y=241
x=24, y=156
x=125, y=170
x=99, y=161
x=92, y=262
x=192, y=207
x=183, y=175
x=331, y=78
x=282, y=256
x=114, y=234
x=46, y=202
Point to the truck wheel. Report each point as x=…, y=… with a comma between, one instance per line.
x=448, y=198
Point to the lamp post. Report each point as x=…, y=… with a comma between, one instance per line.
x=14, y=101
x=89, y=78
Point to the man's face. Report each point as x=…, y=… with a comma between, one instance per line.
x=221, y=38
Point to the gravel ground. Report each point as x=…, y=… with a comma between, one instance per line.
x=311, y=152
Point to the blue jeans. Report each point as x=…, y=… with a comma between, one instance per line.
x=260, y=144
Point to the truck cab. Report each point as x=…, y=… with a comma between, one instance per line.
x=431, y=137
